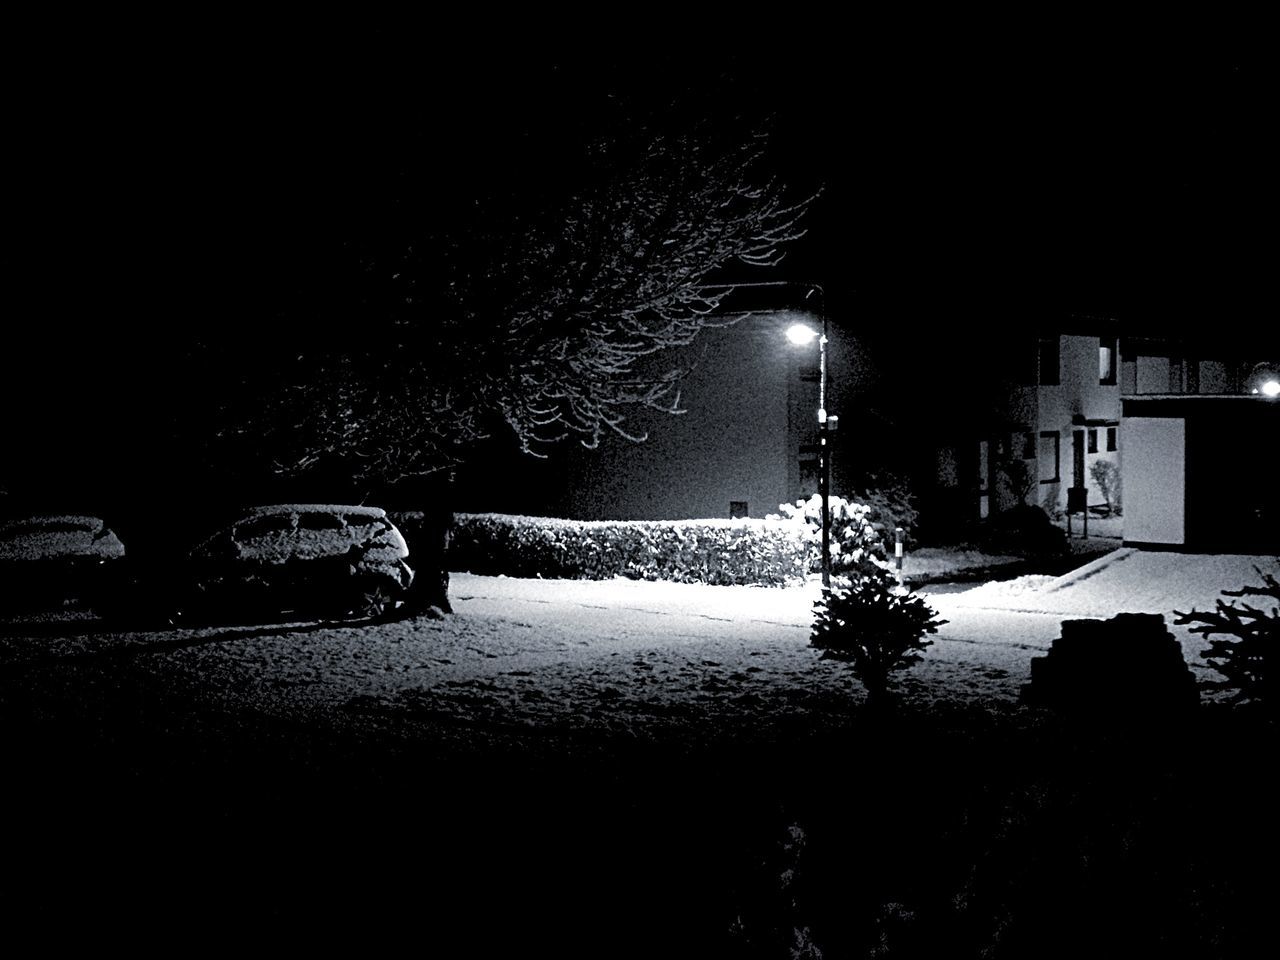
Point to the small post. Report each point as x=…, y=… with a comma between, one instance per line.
x=897, y=553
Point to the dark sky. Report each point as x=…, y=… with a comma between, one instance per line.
x=147, y=183
x=163, y=184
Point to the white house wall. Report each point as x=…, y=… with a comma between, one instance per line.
x=1154, y=470
x=1079, y=394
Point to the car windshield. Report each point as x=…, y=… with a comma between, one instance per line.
x=319, y=521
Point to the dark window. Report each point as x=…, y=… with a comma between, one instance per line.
x=1193, y=376
x=319, y=521
x=808, y=475
x=948, y=473
x=1093, y=441
x=1107, y=361
x=360, y=520
x=737, y=509
x=1049, y=362
x=1048, y=456
x=1111, y=438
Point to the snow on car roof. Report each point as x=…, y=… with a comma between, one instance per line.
x=52, y=521
x=348, y=509
x=41, y=537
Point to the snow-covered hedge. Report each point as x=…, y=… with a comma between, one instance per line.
x=746, y=551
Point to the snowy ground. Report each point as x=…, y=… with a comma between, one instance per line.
x=539, y=661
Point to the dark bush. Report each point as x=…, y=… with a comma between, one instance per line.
x=1128, y=665
x=892, y=505
x=1023, y=530
x=722, y=552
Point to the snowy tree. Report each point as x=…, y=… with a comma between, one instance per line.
x=551, y=314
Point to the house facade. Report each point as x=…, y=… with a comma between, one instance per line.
x=745, y=443
x=1050, y=415
x=1201, y=427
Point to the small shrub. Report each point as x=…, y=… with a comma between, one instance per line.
x=1250, y=663
x=1019, y=477
x=1107, y=476
x=875, y=627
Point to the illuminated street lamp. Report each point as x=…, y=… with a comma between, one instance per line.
x=1264, y=379
x=802, y=334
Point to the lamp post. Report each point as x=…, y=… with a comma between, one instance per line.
x=801, y=334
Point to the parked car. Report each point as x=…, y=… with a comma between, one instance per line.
x=312, y=559
x=49, y=560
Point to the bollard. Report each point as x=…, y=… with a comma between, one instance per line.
x=897, y=553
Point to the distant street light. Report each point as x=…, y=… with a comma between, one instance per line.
x=1264, y=379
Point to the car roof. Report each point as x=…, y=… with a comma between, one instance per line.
x=347, y=509
x=89, y=524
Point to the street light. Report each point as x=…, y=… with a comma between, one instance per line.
x=802, y=334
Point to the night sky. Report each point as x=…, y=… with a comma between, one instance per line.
x=223, y=180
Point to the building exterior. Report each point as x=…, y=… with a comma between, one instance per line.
x=746, y=442
x=1049, y=415
x=1200, y=431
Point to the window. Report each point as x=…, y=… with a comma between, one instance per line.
x=948, y=475
x=737, y=509
x=1022, y=445
x=1093, y=440
x=319, y=521
x=1048, y=456
x=1106, y=361
x=1049, y=362
x=808, y=471
x=1111, y=438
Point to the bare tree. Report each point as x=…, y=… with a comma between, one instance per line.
x=549, y=322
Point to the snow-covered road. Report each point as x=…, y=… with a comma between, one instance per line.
x=615, y=657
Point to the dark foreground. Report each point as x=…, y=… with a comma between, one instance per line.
x=949, y=831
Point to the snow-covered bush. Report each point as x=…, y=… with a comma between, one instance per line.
x=874, y=626
x=722, y=552
x=858, y=542
x=1250, y=663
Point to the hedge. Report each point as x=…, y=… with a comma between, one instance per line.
x=722, y=552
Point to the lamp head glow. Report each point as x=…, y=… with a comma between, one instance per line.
x=1271, y=388
x=801, y=334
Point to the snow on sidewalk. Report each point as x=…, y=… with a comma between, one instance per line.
x=1126, y=580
